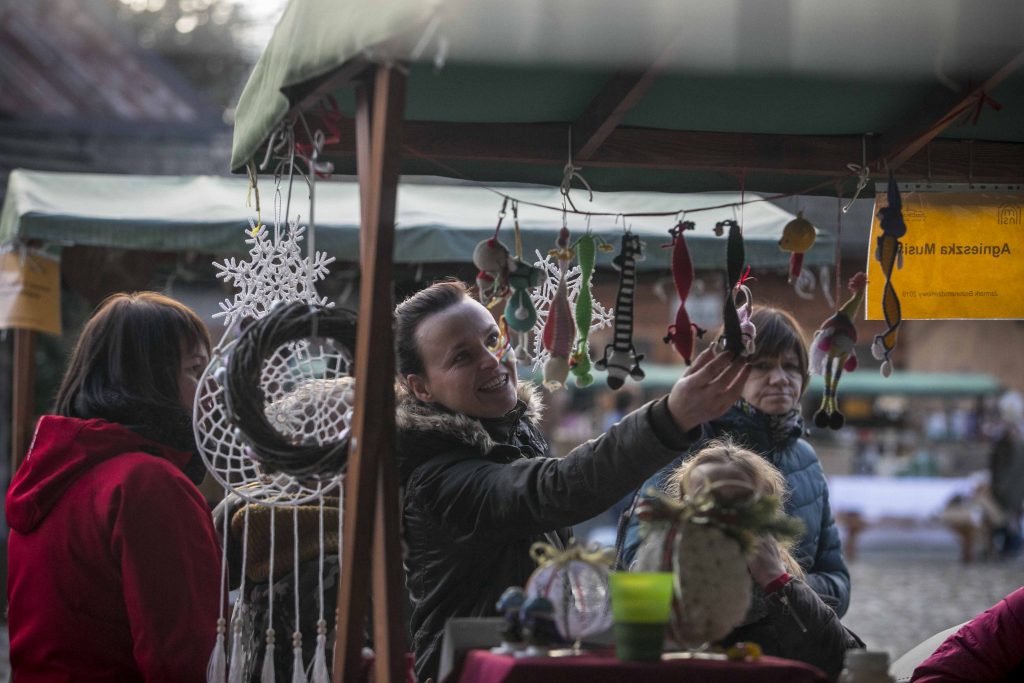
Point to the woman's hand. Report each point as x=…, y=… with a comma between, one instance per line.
x=709, y=387
x=765, y=563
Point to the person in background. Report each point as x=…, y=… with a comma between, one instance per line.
x=114, y=564
x=1006, y=469
x=478, y=487
x=767, y=421
x=786, y=617
x=987, y=649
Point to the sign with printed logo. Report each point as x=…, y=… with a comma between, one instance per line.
x=29, y=290
x=962, y=257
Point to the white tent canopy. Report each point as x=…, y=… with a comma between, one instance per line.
x=436, y=222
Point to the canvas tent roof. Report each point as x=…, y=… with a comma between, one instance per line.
x=436, y=223
x=661, y=94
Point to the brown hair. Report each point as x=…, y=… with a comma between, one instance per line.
x=779, y=332
x=129, y=357
x=411, y=312
x=766, y=479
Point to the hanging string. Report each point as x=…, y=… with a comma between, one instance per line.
x=217, y=666
x=236, y=673
x=515, y=227
x=267, y=675
x=298, y=668
x=320, y=673
x=839, y=241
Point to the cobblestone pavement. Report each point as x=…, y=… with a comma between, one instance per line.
x=907, y=587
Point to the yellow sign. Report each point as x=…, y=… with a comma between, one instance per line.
x=29, y=290
x=963, y=257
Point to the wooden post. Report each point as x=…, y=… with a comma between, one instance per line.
x=371, y=485
x=23, y=371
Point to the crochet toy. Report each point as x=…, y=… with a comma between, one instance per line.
x=559, y=329
x=737, y=334
x=520, y=313
x=832, y=352
x=797, y=237
x=680, y=333
x=538, y=616
x=620, y=357
x=492, y=259
x=579, y=361
x=889, y=254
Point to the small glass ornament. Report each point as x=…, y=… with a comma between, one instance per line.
x=575, y=581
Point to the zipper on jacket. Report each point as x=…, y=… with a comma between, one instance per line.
x=786, y=610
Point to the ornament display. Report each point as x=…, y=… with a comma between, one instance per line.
x=620, y=357
x=735, y=338
x=798, y=236
x=832, y=352
x=575, y=581
x=890, y=255
x=579, y=360
x=681, y=332
x=559, y=328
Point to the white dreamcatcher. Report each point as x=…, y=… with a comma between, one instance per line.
x=542, y=296
x=307, y=400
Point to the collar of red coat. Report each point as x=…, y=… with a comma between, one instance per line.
x=63, y=448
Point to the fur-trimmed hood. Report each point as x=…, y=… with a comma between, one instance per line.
x=413, y=415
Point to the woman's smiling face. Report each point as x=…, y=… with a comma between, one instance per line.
x=460, y=347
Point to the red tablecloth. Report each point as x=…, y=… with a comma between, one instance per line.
x=602, y=667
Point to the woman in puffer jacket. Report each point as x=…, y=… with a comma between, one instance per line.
x=479, y=487
x=767, y=420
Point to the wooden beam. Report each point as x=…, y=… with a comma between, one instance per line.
x=942, y=109
x=604, y=113
x=371, y=490
x=22, y=395
x=670, y=150
x=621, y=93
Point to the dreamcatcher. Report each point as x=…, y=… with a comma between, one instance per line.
x=271, y=419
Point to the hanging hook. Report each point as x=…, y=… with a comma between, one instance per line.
x=862, y=170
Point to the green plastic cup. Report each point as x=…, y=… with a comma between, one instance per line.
x=641, y=604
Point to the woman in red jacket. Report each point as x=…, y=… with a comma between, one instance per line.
x=988, y=648
x=114, y=567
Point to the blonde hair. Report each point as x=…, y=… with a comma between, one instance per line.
x=765, y=478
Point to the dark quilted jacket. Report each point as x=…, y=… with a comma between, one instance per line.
x=478, y=493
x=819, y=551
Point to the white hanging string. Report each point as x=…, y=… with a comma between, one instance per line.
x=267, y=675
x=320, y=674
x=237, y=669
x=298, y=669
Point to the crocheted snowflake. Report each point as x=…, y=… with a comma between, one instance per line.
x=542, y=296
x=276, y=271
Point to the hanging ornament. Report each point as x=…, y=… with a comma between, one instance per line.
x=797, y=237
x=681, y=332
x=559, y=328
x=832, y=352
x=890, y=255
x=551, y=275
x=620, y=357
x=579, y=360
x=492, y=259
x=575, y=581
x=704, y=541
x=737, y=334
x=520, y=313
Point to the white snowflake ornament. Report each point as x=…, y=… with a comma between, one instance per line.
x=276, y=271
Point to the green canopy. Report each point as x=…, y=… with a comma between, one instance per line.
x=664, y=95
x=436, y=222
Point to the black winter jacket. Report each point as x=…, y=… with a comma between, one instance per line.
x=478, y=493
x=794, y=623
x=819, y=551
